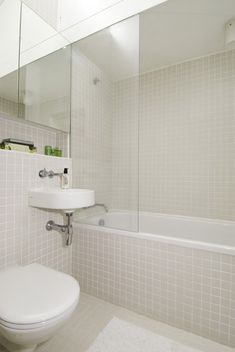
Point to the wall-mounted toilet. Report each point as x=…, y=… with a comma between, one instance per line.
x=35, y=302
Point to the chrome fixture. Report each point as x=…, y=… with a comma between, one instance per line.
x=230, y=33
x=101, y=222
x=96, y=80
x=44, y=173
x=65, y=229
x=101, y=205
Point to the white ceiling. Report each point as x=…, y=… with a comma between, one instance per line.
x=46, y=9
x=71, y=12
x=180, y=30
x=9, y=36
x=173, y=32
x=44, y=31
x=115, y=50
x=61, y=22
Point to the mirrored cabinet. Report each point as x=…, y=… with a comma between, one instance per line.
x=35, y=68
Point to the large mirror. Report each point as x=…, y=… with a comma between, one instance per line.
x=9, y=57
x=35, y=69
x=35, y=53
x=44, y=90
x=44, y=75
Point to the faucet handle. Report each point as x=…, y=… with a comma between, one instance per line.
x=51, y=174
x=43, y=173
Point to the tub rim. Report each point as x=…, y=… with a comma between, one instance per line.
x=182, y=242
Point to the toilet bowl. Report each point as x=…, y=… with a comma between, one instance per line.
x=35, y=302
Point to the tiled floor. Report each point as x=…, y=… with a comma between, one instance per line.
x=91, y=317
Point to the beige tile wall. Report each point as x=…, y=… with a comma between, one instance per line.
x=91, y=127
x=187, y=288
x=23, y=237
x=186, y=131
x=125, y=149
x=187, y=128
x=104, y=135
x=41, y=136
x=11, y=108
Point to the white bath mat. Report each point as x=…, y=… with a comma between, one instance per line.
x=121, y=336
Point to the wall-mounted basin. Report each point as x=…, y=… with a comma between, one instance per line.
x=67, y=200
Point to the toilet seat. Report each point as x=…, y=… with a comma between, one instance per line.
x=34, y=296
x=37, y=326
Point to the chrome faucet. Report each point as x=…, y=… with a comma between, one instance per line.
x=63, y=175
x=102, y=205
x=44, y=173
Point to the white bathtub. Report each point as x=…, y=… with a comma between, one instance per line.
x=207, y=234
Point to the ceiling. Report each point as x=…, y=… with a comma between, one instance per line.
x=115, y=49
x=181, y=30
x=170, y=33
x=173, y=32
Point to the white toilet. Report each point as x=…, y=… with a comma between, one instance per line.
x=35, y=302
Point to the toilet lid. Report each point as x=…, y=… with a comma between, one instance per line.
x=34, y=293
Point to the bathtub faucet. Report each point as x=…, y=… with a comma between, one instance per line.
x=102, y=205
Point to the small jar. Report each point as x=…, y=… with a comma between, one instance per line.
x=48, y=150
x=57, y=152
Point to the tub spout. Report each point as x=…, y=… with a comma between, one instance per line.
x=102, y=205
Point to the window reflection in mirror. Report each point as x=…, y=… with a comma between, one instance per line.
x=44, y=77
x=45, y=90
x=9, y=55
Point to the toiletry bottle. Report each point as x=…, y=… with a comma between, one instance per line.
x=65, y=178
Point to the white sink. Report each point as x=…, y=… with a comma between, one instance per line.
x=61, y=199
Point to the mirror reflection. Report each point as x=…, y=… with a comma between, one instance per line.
x=9, y=57
x=35, y=79
x=44, y=78
x=44, y=90
x=45, y=28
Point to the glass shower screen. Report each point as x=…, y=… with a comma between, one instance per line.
x=104, y=133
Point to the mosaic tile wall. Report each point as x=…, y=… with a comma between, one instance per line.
x=41, y=136
x=91, y=128
x=125, y=148
x=104, y=141
x=23, y=237
x=188, y=288
x=187, y=128
x=11, y=108
x=186, y=131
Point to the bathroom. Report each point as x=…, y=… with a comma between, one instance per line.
x=117, y=197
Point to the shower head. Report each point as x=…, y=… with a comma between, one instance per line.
x=96, y=80
x=230, y=33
